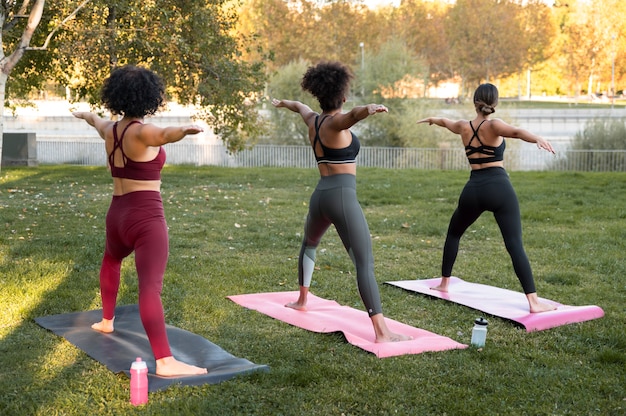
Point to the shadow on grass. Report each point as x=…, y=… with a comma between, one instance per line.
x=46, y=273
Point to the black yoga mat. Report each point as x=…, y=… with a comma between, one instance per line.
x=119, y=349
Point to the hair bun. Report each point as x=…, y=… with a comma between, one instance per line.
x=487, y=109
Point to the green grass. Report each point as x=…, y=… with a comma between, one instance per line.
x=237, y=231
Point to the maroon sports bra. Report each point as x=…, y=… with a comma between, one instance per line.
x=142, y=171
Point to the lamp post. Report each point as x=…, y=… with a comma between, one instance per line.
x=613, y=74
x=362, y=46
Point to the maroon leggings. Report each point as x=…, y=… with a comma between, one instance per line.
x=136, y=222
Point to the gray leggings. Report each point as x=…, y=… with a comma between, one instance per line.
x=334, y=202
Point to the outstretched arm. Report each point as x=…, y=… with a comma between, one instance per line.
x=297, y=107
x=344, y=121
x=452, y=125
x=93, y=120
x=506, y=130
x=151, y=135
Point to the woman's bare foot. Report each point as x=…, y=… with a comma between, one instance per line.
x=537, y=306
x=392, y=337
x=296, y=305
x=383, y=334
x=105, y=326
x=541, y=307
x=443, y=285
x=170, y=366
x=300, y=304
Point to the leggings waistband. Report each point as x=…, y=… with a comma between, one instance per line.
x=492, y=171
x=337, y=181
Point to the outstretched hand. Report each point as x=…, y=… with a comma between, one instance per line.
x=426, y=120
x=192, y=129
x=376, y=108
x=89, y=117
x=277, y=103
x=544, y=144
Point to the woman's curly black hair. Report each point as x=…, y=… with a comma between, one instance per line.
x=329, y=82
x=132, y=91
x=486, y=98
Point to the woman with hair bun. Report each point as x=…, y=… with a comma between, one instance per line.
x=489, y=188
x=334, y=200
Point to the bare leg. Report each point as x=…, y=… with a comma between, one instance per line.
x=536, y=306
x=300, y=304
x=170, y=366
x=443, y=285
x=383, y=333
x=105, y=326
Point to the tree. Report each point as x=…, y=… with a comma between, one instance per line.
x=539, y=33
x=422, y=25
x=286, y=128
x=485, y=41
x=273, y=24
x=390, y=71
x=191, y=44
x=18, y=25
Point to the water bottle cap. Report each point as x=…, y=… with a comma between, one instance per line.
x=138, y=364
x=481, y=321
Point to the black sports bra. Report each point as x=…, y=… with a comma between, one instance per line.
x=492, y=154
x=335, y=156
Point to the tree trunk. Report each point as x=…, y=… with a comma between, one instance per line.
x=3, y=83
x=9, y=62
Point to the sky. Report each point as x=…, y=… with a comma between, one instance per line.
x=372, y=4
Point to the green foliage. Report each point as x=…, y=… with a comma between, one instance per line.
x=384, y=69
x=608, y=135
x=191, y=44
x=235, y=231
x=399, y=128
x=286, y=126
x=601, y=134
x=396, y=129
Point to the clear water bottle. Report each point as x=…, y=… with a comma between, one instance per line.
x=138, y=382
x=479, y=332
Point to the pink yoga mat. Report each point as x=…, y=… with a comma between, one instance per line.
x=327, y=316
x=504, y=303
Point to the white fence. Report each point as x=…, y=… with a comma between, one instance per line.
x=63, y=139
x=523, y=157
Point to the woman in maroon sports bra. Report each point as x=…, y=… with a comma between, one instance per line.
x=135, y=220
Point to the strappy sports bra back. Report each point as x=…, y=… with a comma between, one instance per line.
x=143, y=171
x=335, y=156
x=492, y=153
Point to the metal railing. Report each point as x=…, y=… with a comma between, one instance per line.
x=91, y=153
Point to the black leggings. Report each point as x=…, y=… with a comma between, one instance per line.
x=489, y=190
x=334, y=202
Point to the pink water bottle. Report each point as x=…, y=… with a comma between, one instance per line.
x=138, y=382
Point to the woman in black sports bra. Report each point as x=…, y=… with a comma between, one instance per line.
x=334, y=200
x=489, y=188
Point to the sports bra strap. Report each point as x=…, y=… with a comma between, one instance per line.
x=475, y=131
x=117, y=142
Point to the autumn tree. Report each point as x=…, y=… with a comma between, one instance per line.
x=485, y=41
x=275, y=26
x=296, y=30
x=422, y=26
